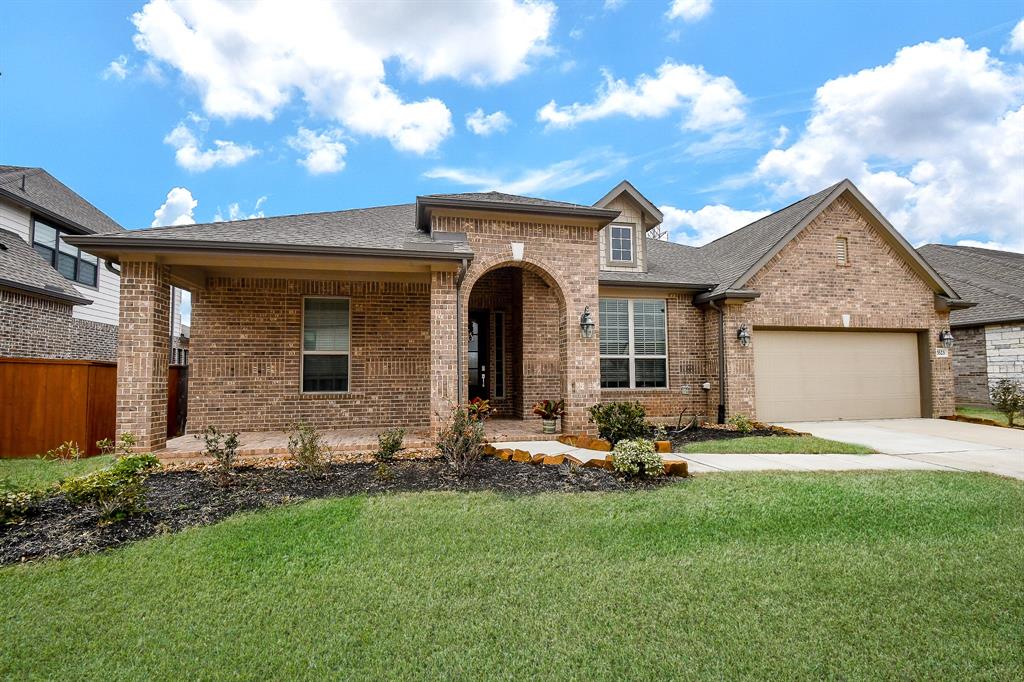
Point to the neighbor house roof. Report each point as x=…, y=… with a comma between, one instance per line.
x=668, y=264
x=993, y=279
x=39, y=191
x=24, y=270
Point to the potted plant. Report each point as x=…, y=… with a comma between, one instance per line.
x=478, y=409
x=549, y=411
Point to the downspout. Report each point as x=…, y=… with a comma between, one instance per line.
x=721, y=360
x=458, y=327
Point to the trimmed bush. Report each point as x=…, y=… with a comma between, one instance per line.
x=117, y=492
x=637, y=458
x=389, y=443
x=308, y=448
x=619, y=421
x=461, y=441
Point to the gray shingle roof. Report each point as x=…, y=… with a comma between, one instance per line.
x=992, y=279
x=668, y=263
x=502, y=198
x=735, y=253
x=46, y=193
x=23, y=269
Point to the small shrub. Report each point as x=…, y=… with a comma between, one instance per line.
x=117, y=492
x=742, y=423
x=308, y=448
x=637, y=458
x=1008, y=397
x=619, y=421
x=384, y=472
x=68, y=451
x=223, y=448
x=15, y=506
x=124, y=446
x=478, y=409
x=389, y=443
x=461, y=441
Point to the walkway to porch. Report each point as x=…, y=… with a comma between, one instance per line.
x=257, y=444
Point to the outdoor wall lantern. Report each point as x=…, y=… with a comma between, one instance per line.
x=946, y=338
x=587, y=324
x=743, y=334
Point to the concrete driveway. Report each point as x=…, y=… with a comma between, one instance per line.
x=940, y=443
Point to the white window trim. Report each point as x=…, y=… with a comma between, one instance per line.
x=632, y=356
x=632, y=244
x=303, y=352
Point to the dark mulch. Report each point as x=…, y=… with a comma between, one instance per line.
x=696, y=434
x=180, y=499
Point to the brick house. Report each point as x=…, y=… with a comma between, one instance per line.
x=390, y=315
x=989, y=336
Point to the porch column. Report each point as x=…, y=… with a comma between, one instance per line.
x=581, y=359
x=143, y=353
x=443, y=372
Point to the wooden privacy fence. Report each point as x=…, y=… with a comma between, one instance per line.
x=46, y=402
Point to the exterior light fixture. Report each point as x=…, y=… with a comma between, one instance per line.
x=946, y=338
x=587, y=324
x=743, y=334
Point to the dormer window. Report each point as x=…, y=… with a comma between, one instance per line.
x=620, y=243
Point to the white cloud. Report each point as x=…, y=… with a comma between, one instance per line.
x=1016, y=40
x=250, y=59
x=781, y=136
x=699, y=227
x=235, y=212
x=190, y=156
x=689, y=10
x=935, y=139
x=325, y=152
x=485, y=124
x=117, y=69
x=612, y=5
x=1017, y=246
x=709, y=101
x=176, y=210
x=557, y=176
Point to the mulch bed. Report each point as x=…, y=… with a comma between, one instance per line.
x=697, y=434
x=185, y=498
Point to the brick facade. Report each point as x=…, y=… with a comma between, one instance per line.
x=43, y=328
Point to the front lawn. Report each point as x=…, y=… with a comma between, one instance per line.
x=34, y=473
x=909, y=575
x=983, y=413
x=754, y=445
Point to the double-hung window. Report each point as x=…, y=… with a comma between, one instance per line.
x=326, y=331
x=78, y=266
x=634, y=347
x=621, y=243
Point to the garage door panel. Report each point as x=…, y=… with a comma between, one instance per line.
x=835, y=375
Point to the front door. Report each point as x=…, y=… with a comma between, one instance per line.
x=479, y=344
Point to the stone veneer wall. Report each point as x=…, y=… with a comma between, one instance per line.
x=246, y=352
x=970, y=366
x=43, y=328
x=1004, y=349
x=803, y=286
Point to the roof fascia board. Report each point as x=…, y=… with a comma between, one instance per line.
x=44, y=292
x=742, y=295
x=627, y=187
x=425, y=204
x=626, y=284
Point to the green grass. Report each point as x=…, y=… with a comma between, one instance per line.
x=754, y=445
x=30, y=474
x=909, y=575
x=985, y=413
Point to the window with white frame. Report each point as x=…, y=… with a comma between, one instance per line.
x=634, y=347
x=325, y=345
x=621, y=243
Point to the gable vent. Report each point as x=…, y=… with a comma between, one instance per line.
x=842, y=251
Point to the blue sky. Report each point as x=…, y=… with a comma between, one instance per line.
x=718, y=111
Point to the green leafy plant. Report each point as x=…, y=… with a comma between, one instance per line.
x=389, y=443
x=461, y=441
x=619, y=421
x=637, y=458
x=223, y=448
x=117, y=492
x=124, y=446
x=15, y=506
x=478, y=409
x=1008, y=397
x=549, y=409
x=384, y=473
x=308, y=448
x=742, y=423
x=68, y=451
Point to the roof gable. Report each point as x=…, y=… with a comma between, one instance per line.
x=627, y=188
x=37, y=190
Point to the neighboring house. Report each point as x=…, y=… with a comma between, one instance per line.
x=55, y=301
x=990, y=336
x=179, y=331
x=391, y=315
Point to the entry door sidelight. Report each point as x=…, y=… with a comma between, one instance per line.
x=479, y=346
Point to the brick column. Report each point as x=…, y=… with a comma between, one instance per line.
x=581, y=358
x=443, y=372
x=142, y=353
x=943, y=397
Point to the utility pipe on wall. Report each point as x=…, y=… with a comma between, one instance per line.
x=721, y=360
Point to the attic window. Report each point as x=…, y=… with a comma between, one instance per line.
x=621, y=243
x=842, y=251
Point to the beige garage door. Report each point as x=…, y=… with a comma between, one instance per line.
x=835, y=375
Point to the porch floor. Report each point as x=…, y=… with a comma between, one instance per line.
x=258, y=444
